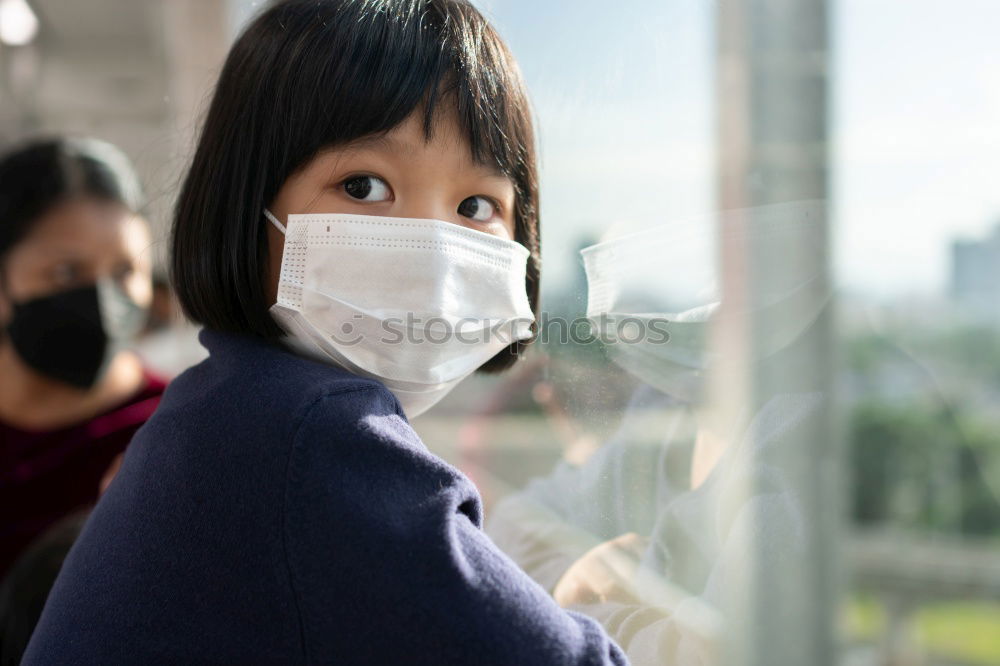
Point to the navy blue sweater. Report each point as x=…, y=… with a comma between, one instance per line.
x=276, y=510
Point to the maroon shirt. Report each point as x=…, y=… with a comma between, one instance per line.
x=46, y=475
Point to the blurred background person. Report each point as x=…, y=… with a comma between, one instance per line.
x=75, y=288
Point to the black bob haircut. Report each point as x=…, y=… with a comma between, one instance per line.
x=37, y=176
x=308, y=75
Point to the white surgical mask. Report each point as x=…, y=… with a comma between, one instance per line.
x=417, y=304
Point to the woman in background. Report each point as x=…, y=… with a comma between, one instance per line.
x=74, y=286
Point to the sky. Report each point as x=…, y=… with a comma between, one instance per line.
x=623, y=96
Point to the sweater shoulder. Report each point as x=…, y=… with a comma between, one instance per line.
x=265, y=380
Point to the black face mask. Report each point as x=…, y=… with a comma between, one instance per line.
x=63, y=336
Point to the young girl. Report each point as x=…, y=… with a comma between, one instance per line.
x=358, y=232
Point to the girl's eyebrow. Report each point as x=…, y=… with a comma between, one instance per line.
x=381, y=143
x=394, y=146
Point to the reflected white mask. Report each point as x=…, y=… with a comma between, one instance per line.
x=418, y=305
x=666, y=278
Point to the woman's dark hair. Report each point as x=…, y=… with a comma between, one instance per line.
x=308, y=75
x=41, y=174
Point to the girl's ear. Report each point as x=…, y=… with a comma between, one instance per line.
x=6, y=307
x=7, y=301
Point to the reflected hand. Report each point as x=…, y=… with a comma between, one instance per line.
x=604, y=573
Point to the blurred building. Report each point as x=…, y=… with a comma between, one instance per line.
x=137, y=73
x=975, y=273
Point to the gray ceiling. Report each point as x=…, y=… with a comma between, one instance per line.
x=99, y=24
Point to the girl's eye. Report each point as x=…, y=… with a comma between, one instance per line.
x=477, y=208
x=123, y=272
x=67, y=274
x=367, y=188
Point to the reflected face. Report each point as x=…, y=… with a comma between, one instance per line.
x=399, y=174
x=75, y=244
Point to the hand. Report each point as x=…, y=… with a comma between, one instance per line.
x=666, y=626
x=604, y=573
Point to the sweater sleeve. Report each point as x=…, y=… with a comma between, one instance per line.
x=387, y=559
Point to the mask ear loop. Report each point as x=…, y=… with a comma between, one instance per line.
x=270, y=216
